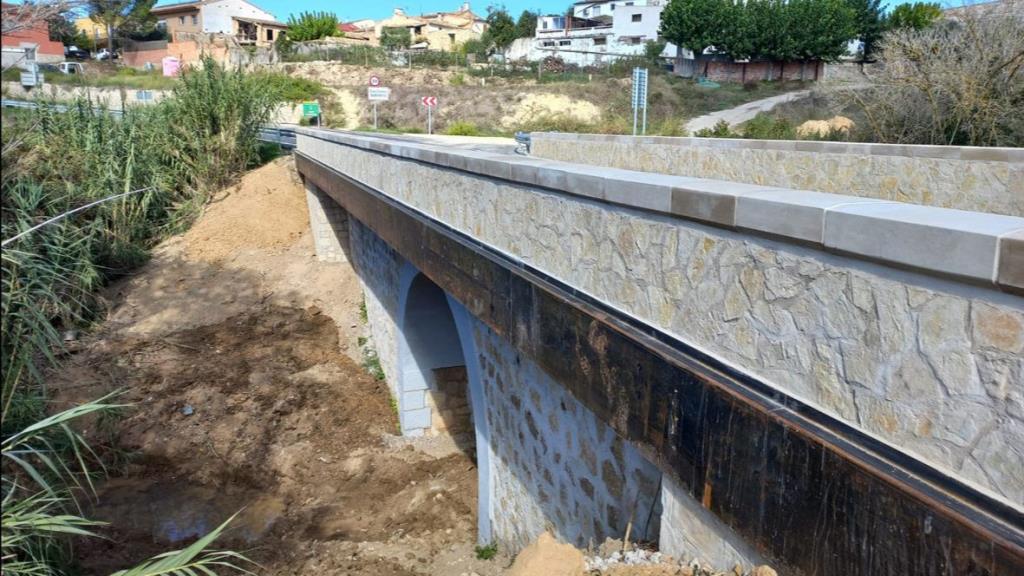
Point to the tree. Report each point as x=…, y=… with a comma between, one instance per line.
x=312, y=26
x=63, y=30
x=916, y=16
x=821, y=28
x=526, y=26
x=395, y=38
x=694, y=24
x=125, y=16
x=868, y=23
x=501, y=29
x=475, y=47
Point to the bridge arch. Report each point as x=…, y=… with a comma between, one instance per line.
x=439, y=376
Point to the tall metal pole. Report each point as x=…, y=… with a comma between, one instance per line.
x=430, y=120
x=374, y=114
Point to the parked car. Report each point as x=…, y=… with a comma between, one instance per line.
x=105, y=54
x=62, y=68
x=75, y=53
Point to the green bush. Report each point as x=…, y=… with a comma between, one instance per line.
x=462, y=128
x=395, y=38
x=767, y=127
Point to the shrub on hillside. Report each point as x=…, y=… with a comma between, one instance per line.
x=956, y=82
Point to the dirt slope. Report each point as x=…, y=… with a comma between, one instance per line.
x=230, y=345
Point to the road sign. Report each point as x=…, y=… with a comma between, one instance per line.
x=310, y=109
x=430, y=102
x=378, y=94
x=374, y=81
x=639, y=97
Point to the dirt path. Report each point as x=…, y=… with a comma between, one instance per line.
x=238, y=350
x=743, y=112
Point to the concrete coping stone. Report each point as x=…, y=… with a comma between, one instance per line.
x=967, y=153
x=972, y=246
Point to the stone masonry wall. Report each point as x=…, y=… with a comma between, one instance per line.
x=554, y=464
x=931, y=366
x=378, y=267
x=978, y=179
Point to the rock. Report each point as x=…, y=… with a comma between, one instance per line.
x=549, y=557
x=763, y=571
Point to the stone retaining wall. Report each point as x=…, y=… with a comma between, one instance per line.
x=932, y=366
x=966, y=178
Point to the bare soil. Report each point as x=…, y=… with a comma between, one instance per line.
x=237, y=350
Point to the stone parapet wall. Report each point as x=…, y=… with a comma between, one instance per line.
x=965, y=178
x=931, y=366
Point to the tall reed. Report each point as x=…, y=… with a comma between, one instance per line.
x=174, y=153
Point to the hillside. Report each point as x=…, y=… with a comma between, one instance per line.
x=470, y=102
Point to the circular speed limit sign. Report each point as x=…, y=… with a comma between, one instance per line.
x=374, y=81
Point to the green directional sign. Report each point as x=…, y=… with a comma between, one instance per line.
x=310, y=109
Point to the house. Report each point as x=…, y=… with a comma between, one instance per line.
x=245, y=22
x=26, y=40
x=437, y=30
x=93, y=30
x=596, y=33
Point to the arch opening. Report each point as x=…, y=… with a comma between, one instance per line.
x=434, y=377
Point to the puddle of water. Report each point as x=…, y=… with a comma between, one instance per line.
x=177, y=511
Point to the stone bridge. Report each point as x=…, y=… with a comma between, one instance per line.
x=735, y=368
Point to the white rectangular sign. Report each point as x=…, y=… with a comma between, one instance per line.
x=378, y=93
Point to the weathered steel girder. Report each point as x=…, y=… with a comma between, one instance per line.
x=812, y=493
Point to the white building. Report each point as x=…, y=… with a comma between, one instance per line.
x=598, y=33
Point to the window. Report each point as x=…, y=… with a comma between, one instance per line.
x=195, y=20
x=548, y=43
x=181, y=20
x=601, y=41
x=565, y=42
x=597, y=10
x=637, y=17
x=451, y=39
x=270, y=35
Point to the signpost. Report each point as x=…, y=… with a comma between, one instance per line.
x=377, y=93
x=311, y=110
x=430, y=102
x=640, y=97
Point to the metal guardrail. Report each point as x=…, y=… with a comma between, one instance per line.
x=27, y=104
x=282, y=136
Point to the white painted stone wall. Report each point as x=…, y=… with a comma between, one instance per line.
x=932, y=366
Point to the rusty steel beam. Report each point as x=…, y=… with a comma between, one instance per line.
x=810, y=492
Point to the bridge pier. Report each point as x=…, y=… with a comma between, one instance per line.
x=329, y=223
